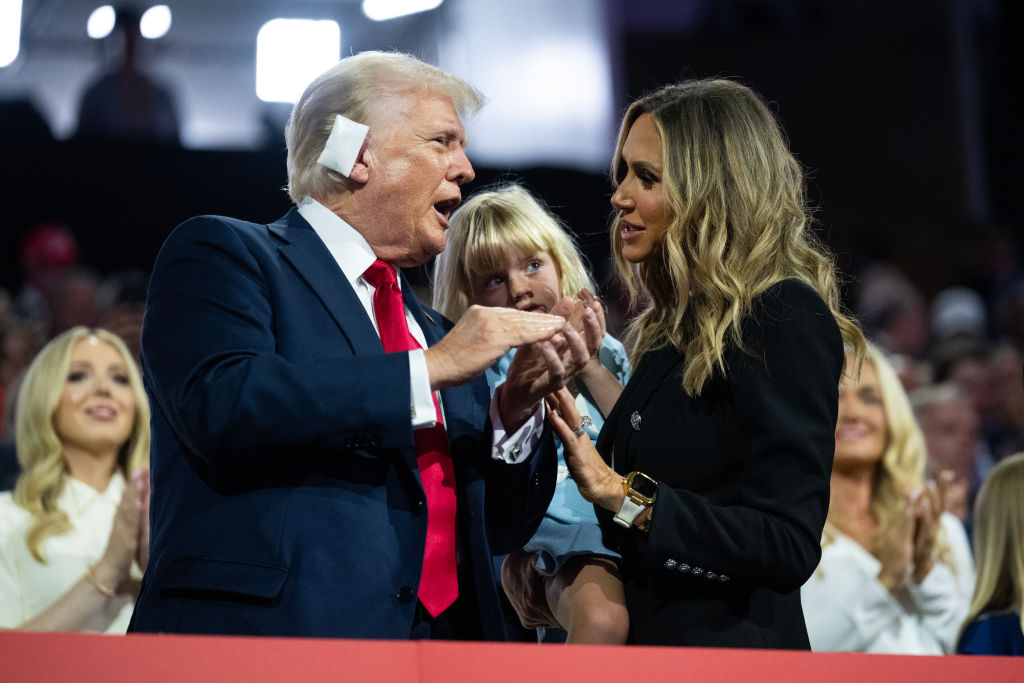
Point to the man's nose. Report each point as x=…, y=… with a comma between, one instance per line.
x=460, y=170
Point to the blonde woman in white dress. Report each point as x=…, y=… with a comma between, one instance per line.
x=74, y=532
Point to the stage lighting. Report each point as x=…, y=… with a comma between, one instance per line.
x=101, y=22
x=155, y=22
x=380, y=10
x=290, y=53
x=10, y=31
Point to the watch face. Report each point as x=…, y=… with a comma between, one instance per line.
x=643, y=485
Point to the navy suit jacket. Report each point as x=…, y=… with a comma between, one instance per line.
x=286, y=499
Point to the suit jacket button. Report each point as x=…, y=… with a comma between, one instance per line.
x=536, y=482
x=418, y=507
x=405, y=595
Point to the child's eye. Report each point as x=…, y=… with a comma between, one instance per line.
x=76, y=376
x=494, y=281
x=533, y=266
x=121, y=379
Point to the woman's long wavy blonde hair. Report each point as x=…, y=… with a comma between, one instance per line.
x=40, y=451
x=999, y=541
x=739, y=225
x=901, y=469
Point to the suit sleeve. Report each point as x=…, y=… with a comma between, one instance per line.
x=211, y=364
x=785, y=396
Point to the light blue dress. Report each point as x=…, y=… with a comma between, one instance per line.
x=569, y=527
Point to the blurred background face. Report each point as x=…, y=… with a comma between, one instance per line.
x=951, y=432
x=97, y=407
x=861, y=429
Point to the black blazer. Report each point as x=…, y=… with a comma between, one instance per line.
x=743, y=474
x=286, y=499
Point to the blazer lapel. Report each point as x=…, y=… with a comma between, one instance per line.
x=656, y=367
x=303, y=249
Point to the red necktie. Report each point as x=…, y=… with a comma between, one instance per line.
x=438, y=582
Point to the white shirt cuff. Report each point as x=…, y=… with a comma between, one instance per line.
x=423, y=412
x=515, y=448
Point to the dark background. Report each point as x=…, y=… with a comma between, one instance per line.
x=905, y=113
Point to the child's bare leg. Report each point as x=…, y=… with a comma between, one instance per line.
x=587, y=598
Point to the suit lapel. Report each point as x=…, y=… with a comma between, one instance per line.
x=457, y=401
x=303, y=249
x=655, y=368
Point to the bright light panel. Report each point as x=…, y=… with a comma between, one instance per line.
x=290, y=53
x=380, y=10
x=155, y=22
x=101, y=22
x=10, y=31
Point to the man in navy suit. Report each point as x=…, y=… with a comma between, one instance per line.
x=289, y=489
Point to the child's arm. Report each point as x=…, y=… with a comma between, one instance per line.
x=599, y=382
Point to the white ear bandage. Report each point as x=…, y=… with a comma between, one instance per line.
x=343, y=145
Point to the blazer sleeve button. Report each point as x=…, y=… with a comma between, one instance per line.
x=671, y=564
x=405, y=595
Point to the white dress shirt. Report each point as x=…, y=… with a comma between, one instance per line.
x=353, y=255
x=848, y=609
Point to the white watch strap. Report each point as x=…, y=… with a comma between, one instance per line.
x=628, y=512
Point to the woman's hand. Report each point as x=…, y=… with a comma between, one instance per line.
x=598, y=483
x=123, y=543
x=928, y=508
x=893, y=546
x=141, y=479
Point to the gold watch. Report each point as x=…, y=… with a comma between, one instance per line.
x=641, y=491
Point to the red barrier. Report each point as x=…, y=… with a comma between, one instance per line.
x=151, y=658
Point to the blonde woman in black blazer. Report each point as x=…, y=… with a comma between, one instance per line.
x=711, y=475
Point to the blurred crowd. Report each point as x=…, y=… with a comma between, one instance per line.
x=942, y=381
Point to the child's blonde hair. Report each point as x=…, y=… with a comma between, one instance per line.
x=483, y=228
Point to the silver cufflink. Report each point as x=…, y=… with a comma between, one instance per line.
x=634, y=420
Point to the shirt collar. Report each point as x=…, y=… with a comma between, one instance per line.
x=79, y=495
x=349, y=248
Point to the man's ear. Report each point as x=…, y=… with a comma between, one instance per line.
x=361, y=169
